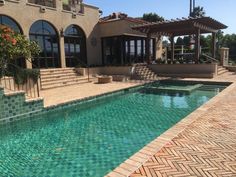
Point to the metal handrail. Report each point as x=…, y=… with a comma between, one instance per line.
x=210, y=58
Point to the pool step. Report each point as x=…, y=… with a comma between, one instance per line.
x=210, y=87
x=60, y=77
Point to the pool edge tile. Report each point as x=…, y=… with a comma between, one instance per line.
x=174, y=131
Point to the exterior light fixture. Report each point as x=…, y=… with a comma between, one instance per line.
x=62, y=32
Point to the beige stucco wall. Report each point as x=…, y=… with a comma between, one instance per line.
x=231, y=68
x=26, y=14
x=118, y=27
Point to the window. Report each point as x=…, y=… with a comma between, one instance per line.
x=48, y=3
x=112, y=50
x=9, y=22
x=47, y=38
x=75, y=46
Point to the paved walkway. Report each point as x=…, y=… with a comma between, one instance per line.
x=205, y=148
x=69, y=93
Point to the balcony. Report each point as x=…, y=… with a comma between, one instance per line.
x=47, y=3
x=73, y=5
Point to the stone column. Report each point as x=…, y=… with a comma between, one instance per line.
x=29, y=63
x=62, y=52
x=158, y=47
x=224, y=56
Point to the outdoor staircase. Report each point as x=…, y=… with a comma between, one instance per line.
x=142, y=72
x=221, y=70
x=60, y=77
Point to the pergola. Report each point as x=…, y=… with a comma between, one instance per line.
x=181, y=27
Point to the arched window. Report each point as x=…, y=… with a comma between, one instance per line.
x=75, y=46
x=46, y=36
x=9, y=22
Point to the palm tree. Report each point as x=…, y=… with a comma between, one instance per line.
x=198, y=12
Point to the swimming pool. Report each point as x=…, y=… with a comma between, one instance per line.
x=93, y=138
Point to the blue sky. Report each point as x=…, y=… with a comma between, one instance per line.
x=221, y=10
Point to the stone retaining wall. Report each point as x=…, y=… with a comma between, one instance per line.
x=185, y=70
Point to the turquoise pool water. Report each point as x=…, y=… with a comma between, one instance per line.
x=93, y=139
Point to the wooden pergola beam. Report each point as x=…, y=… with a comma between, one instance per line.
x=204, y=27
x=181, y=27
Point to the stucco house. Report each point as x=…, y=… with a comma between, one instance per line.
x=72, y=33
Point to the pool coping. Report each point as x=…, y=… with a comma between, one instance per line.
x=134, y=162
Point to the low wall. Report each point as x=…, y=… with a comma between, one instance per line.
x=30, y=87
x=185, y=70
x=108, y=70
x=13, y=105
x=231, y=68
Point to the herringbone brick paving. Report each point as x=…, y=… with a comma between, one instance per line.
x=206, y=148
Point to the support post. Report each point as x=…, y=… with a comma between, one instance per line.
x=213, y=49
x=148, y=53
x=197, y=46
x=172, y=49
x=62, y=52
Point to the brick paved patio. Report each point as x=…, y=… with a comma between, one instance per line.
x=206, y=146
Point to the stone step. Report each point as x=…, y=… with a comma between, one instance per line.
x=64, y=81
x=222, y=72
x=220, y=69
x=144, y=73
x=59, y=76
x=56, y=69
x=56, y=85
x=57, y=80
x=57, y=72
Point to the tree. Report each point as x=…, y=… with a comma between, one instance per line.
x=186, y=40
x=198, y=12
x=179, y=41
x=152, y=17
x=14, y=45
x=229, y=41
